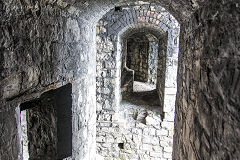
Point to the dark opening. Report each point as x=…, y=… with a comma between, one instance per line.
x=120, y=145
x=118, y=9
x=49, y=124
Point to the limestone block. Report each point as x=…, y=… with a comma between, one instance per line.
x=146, y=131
x=152, y=131
x=167, y=149
x=99, y=157
x=73, y=30
x=31, y=77
x=137, y=131
x=157, y=148
x=146, y=139
x=162, y=132
x=107, y=105
x=105, y=125
x=109, y=139
x=156, y=154
x=100, y=139
x=167, y=125
x=169, y=116
x=128, y=137
x=11, y=85
x=167, y=155
x=127, y=147
x=137, y=139
x=150, y=140
x=169, y=103
x=140, y=125
x=170, y=133
x=164, y=144
x=146, y=147
x=107, y=145
x=152, y=121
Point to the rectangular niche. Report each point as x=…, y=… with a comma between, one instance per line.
x=46, y=125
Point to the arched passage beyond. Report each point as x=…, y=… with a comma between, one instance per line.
x=143, y=67
x=112, y=31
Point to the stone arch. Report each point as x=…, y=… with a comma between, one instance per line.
x=142, y=17
x=161, y=37
x=109, y=38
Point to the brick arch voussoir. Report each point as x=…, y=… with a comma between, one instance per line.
x=162, y=19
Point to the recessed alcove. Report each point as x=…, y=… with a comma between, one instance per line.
x=46, y=125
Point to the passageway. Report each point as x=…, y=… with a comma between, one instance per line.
x=45, y=45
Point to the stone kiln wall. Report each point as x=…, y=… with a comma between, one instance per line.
x=123, y=130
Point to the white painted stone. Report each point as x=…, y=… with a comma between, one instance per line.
x=100, y=139
x=152, y=131
x=137, y=131
x=137, y=139
x=73, y=29
x=164, y=144
x=158, y=148
x=167, y=125
x=146, y=147
x=162, y=132
x=156, y=154
x=147, y=139
x=167, y=149
x=151, y=121
x=167, y=155
x=99, y=157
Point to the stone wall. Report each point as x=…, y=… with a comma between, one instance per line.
x=142, y=57
x=108, y=71
x=137, y=59
x=42, y=131
x=43, y=46
x=161, y=68
x=136, y=133
x=207, y=112
x=10, y=144
x=153, y=62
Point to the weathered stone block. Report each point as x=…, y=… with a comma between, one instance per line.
x=162, y=132
x=156, y=154
x=11, y=85
x=146, y=147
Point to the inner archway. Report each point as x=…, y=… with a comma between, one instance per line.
x=143, y=67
